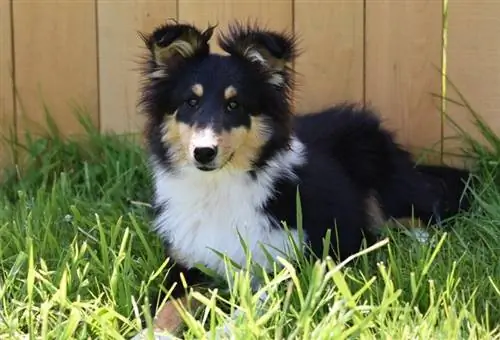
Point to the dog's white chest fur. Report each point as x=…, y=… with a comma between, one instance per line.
x=211, y=211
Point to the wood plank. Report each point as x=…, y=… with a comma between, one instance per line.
x=56, y=62
x=330, y=69
x=276, y=14
x=403, y=54
x=120, y=49
x=7, y=114
x=473, y=65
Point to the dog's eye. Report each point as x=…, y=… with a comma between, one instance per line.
x=192, y=102
x=232, y=105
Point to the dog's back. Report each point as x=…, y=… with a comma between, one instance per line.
x=370, y=155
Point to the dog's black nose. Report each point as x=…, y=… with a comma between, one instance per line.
x=205, y=155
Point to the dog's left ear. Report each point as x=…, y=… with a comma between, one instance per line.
x=173, y=43
x=271, y=50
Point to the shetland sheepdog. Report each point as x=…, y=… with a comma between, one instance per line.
x=229, y=157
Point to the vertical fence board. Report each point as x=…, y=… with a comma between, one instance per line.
x=473, y=66
x=276, y=14
x=330, y=68
x=403, y=57
x=59, y=46
x=120, y=51
x=56, y=62
x=7, y=113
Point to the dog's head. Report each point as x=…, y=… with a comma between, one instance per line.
x=212, y=111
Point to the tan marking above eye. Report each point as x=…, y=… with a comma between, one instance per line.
x=197, y=90
x=230, y=92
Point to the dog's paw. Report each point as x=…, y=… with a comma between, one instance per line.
x=422, y=236
x=144, y=335
x=222, y=331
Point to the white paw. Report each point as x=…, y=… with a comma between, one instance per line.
x=144, y=335
x=421, y=235
x=221, y=332
x=224, y=331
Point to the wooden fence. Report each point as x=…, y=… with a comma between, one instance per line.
x=384, y=52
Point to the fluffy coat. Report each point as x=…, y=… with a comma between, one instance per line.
x=228, y=156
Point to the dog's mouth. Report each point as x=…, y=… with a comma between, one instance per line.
x=212, y=166
x=206, y=168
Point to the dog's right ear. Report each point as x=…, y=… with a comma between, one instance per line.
x=171, y=44
x=273, y=51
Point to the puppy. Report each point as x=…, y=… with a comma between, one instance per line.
x=228, y=157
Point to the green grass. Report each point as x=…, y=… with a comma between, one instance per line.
x=77, y=261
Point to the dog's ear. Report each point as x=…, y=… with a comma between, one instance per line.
x=170, y=44
x=271, y=50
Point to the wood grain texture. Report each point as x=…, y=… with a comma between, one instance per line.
x=120, y=50
x=7, y=114
x=276, y=14
x=330, y=69
x=473, y=66
x=56, y=62
x=403, y=54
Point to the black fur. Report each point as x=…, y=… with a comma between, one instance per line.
x=350, y=156
x=354, y=136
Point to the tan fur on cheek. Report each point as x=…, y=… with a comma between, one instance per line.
x=245, y=145
x=175, y=136
x=170, y=131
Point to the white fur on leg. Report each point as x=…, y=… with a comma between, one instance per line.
x=421, y=235
x=143, y=335
x=224, y=330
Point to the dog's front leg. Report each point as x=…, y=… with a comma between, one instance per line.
x=168, y=319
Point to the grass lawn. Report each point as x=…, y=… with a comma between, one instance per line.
x=76, y=261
